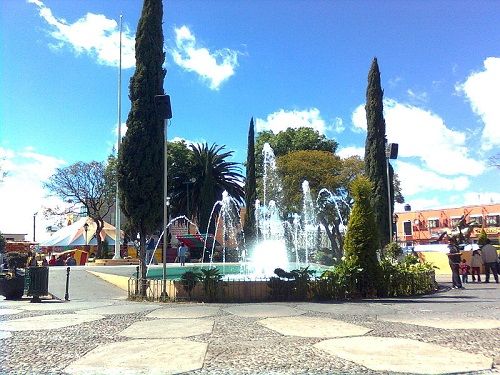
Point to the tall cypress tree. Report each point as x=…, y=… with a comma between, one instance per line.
x=250, y=188
x=375, y=163
x=140, y=164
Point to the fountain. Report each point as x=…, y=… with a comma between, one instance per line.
x=281, y=242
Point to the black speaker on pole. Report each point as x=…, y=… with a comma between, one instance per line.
x=391, y=151
x=163, y=108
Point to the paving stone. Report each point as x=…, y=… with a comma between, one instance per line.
x=54, y=305
x=185, y=312
x=46, y=322
x=129, y=308
x=444, y=322
x=305, y=326
x=347, y=308
x=168, y=328
x=10, y=311
x=141, y=357
x=404, y=355
x=263, y=311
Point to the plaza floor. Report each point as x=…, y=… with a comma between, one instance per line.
x=100, y=332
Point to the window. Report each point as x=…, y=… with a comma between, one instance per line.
x=493, y=220
x=433, y=223
x=477, y=218
x=407, y=228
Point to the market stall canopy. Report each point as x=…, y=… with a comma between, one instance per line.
x=197, y=241
x=75, y=234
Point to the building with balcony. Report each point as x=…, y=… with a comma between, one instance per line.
x=422, y=227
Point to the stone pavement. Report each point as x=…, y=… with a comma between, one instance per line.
x=99, y=332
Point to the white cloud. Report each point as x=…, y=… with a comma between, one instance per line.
x=213, y=67
x=482, y=89
x=423, y=134
x=345, y=152
x=417, y=96
x=22, y=193
x=93, y=34
x=474, y=198
x=310, y=118
x=417, y=180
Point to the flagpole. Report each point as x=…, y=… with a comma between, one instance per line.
x=117, y=200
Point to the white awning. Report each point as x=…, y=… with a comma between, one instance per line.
x=495, y=214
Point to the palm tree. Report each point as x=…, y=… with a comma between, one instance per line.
x=213, y=174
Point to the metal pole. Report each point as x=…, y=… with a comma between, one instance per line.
x=34, y=226
x=165, y=214
x=66, y=295
x=389, y=199
x=117, y=200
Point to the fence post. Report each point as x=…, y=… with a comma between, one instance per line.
x=136, y=281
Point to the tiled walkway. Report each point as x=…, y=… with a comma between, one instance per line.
x=452, y=331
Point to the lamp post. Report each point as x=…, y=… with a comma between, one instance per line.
x=391, y=152
x=86, y=229
x=34, y=226
x=164, y=112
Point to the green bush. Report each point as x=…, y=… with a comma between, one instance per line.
x=293, y=285
x=393, y=251
x=361, y=241
x=481, y=239
x=211, y=279
x=189, y=280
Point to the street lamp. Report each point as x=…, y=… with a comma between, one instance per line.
x=391, y=152
x=86, y=229
x=164, y=112
x=34, y=226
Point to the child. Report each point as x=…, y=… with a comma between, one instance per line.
x=476, y=263
x=464, y=270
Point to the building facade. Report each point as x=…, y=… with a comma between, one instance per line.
x=422, y=227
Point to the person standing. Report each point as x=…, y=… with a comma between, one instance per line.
x=181, y=254
x=464, y=271
x=454, y=257
x=476, y=262
x=490, y=260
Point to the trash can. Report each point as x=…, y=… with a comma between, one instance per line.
x=38, y=282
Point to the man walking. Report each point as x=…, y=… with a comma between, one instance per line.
x=182, y=253
x=490, y=260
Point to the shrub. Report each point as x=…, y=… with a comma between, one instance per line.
x=361, y=241
x=189, y=279
x=211, y=279
x=481, y=239
x=393, y=251
x=293, y=285
x=16, y=260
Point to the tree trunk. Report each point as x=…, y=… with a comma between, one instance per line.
x=335, y=249
x=99, y=228
x=142, y=264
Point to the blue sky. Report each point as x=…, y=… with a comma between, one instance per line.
x=286, y=63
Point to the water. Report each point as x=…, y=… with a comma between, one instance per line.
x=286, y=243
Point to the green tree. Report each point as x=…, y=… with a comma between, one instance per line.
x=90, y=185
x=3, y=243
x=292, y=140
x=140, y=166
x=375, y=163
x=214, y=174
x=481, y=239
x=181, y=178
x=321, y=169
x=250, y=187
x=361, y=240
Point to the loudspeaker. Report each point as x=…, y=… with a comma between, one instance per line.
x=391, y=151
x=163, y=108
